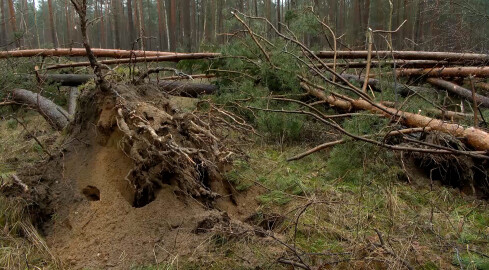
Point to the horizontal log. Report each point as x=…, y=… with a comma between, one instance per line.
x=409, y=55
x=398, y=63
x=56, y=116
x=62, y=79
x=460, y=91
x=76, y=52
x=167, y=58
x=446, y=72
x=187, y=89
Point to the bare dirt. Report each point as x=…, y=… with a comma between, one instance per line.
x=83, y=202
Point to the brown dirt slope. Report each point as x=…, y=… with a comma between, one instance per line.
x=84, y=201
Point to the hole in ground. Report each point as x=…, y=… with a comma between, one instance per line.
x=91, y=193
x=148, y=193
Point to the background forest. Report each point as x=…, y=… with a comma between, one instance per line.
x=443, y=25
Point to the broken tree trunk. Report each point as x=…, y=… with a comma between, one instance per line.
x=187, y=89
x=166, y=58
x=474, y=137
x=409, y=55
x=56, y=116
x=460, y=91
x=446, y=72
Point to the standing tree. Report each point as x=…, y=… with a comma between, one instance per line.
x=13, y=22
x=130, y=22
x=3, y=24
x=186, y=25
x=115, y=15
x=51, y=24
x=173, y=25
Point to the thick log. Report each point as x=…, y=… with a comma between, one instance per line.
x=56, y=116
x=77, y=52
x=446, y=72
x=460, y=91
x=66, y=79
x=166, y=58
x=62, y=79
x=474, y=137
x=187, y=89
x=409, y=55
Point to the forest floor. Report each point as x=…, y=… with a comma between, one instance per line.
x=375, y=222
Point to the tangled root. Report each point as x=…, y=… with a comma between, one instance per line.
x=168, y=147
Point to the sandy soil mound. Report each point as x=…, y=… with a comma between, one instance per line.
x=84, y=203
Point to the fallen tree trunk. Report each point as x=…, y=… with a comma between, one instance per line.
x=460, y=91
x=75, y=52
x=185, y=89
x=165, y=58
x=408, y=55
x=474, y=137
x=398, y=63
x=56, y=116
x=62, y=79
x=376, y=85
x=197, y=76
x=446, y=72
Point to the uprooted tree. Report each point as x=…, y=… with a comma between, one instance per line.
x=168, y=146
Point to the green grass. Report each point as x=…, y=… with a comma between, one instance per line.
x=365, y=193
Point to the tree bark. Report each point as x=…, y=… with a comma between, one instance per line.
x=3, y=23
x=409, y=55
x=446, y=72
x=475, y=137
x=115, y=15
x=460, y=91
x=130, y=22
x=75, y=52
x=167, y=58
x=73, y=97
x=56, y=116
x=51, y=24
x=13, y=22
x=173, y=25
x=185, y=89
x=186, y=25
x=63, y=79
x=161, y=25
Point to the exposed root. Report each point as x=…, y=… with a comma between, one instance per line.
x=168, y=147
